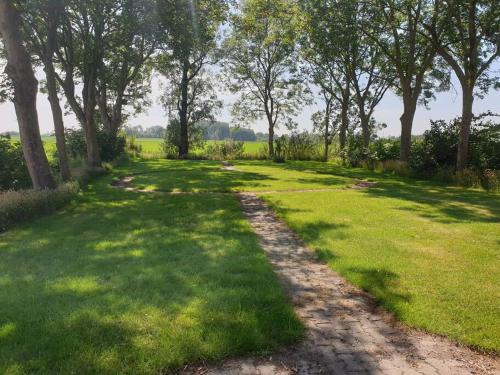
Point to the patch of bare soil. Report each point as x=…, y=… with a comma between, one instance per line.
x=346, y=333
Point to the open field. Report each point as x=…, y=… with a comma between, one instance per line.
x=151, y=147
x=147, y=283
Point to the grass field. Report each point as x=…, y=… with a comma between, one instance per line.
x=132, y=283
x=151, y=147
x=427, y=252
x=136, y=284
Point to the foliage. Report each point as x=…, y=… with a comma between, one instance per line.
x=243, y=134
x=13, y=170
x=384, y=149
x=215, y=130
x=172, y=140
x=260, y=64
x=111, y=146
x=297, y=146
x=141, y=132
x=23, y=205
x=225, y=150
x=438, y=148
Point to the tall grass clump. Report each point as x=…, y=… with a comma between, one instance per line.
x=23, y=205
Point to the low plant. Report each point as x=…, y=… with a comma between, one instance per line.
x=13, y=170
x=225, y=150
x=22, y=205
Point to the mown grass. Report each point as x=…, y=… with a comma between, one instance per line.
x=152, y=147
x=126, y=283
x=430, y=253
x=203, y=176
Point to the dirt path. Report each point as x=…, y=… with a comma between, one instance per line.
x=345, y=334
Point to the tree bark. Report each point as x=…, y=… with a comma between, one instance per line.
x=21, y=73
x=410, y=106
x=327, y=131
x=57, y=114
x=365, y=130
x=57, y=117
x=183, y=114
x=89, y=126
x=344, y=115
x=467, y=115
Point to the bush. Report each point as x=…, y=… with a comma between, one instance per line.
x=111, y=147
x=225, y=150
x=385, y=149
x=132, y=148
x=13, y=170
x=172, y=140
x=22, y=205
x=297, y=146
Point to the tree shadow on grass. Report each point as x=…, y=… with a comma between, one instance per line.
x=129, y=283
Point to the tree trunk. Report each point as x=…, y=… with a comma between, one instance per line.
x=270, y=141
x=21, y=73
x=344, y=115
x=344, y=124
x=90, y=102
x=327, y=131
x=365, y=130
x=183, y=120
x=406, y=119
x=463, y=140
x=57, y=117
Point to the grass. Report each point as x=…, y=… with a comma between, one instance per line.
x=203, y=176
x=152, y=147
x=136, y=284
x=427, y=252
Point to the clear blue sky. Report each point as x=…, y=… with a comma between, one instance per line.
x=447, y=106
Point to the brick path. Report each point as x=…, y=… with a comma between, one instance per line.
x=345, y=334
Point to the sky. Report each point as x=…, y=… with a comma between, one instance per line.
x=446, y=106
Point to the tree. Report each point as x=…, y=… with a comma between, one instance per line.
x=20, y=72
x=85, y=29
x=324, y=48
x=124, y=79
x=324, y=124
x=364, y=60
x=189, y=35
x=396, y=28
x=42, y=19
x=261, y=64
x=466, y=33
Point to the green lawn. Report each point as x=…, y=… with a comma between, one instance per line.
x=202, y=176
x=153, y=147
x=132, y=283
x=427, y=252
x=126, y=283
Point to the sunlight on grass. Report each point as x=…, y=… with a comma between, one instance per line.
x=136, y=284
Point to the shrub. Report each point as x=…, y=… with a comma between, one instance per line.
x=225, y=150
x=385, y=149
x=132, y=148
x=111, y=147
x=172, y=140
x=13, y=170
x=21, y=205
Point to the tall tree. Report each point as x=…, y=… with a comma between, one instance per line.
x=363, y=58
x=324, y=48
x=324, y=122
x=42, y=19
x=20, y=71
x=190, y=29
x=261, y=64
x=86, y=27
x=395, y=26
x=466, y=33
x=124, y=79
